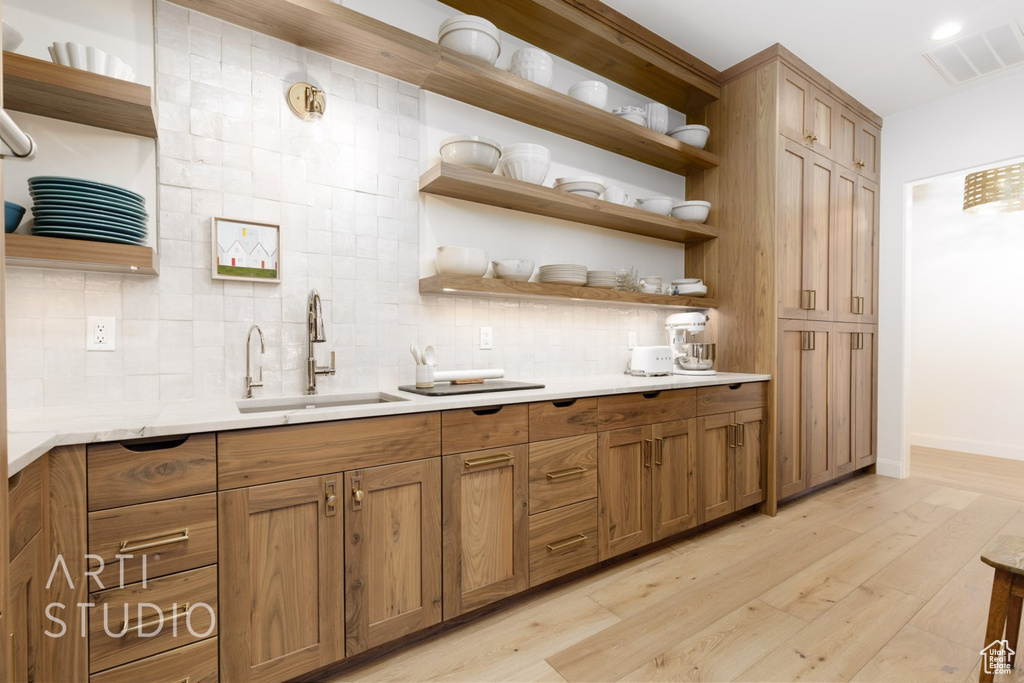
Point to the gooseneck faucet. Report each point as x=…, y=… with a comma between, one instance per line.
x=315, y=328
x=249, y=384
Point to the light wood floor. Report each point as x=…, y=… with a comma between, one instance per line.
x=876, y=579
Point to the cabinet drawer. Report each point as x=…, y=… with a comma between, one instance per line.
x=174, y=535
x=187, y=601
x=26, y=504
x=633, y=410
x=195, y=663
x=562, y=541
x=732, y=397
x=132, y=472
x=562, y=471
x=555, y=419
x=475, y=429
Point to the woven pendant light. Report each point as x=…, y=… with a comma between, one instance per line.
x=996, y=190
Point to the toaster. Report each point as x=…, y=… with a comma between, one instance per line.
x=649, y=361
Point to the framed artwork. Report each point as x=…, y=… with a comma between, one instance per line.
x=246, y=250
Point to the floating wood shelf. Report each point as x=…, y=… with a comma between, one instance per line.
x=479, y=286
x=53, y=252
x=342, y=33
x=460, y=182
x=609, y=44
x=60, y=92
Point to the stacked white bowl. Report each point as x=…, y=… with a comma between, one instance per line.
x=472, y=36
x=694, y=210
x=527, y=162
x=693, y=134
x=635, y=114
x=564, y=274
x=533, y=65
x=603, y=279
x=585, y=186
x=591, y=92
x=657, y=117
x=474, y=151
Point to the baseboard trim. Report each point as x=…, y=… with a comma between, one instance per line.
x=889, y=468
x=952, y=443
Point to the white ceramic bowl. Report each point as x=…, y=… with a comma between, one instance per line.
x=527, y=162
x=517, y=269
x=657, y=117
x=584, y=185
x=662, y=205
x=12, y=37
x=695, y=211
x=634, y=114
x=591, y=92
x=693, y=134
x=533, y=65
x=472, y=36
x=461, y=261
x=471, y=150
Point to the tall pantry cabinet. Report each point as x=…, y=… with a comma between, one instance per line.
x=798, y=262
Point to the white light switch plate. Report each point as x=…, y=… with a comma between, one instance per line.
x=99, y=333
x=486, y=338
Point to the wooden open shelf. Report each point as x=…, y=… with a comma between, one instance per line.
x=38, y=87
x=479, y=286
x=609, y=44
x=460, y=182
x=53, y=252
x=342, y=33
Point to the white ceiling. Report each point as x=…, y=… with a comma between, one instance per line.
x=871, y=48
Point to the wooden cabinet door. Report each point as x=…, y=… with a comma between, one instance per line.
x=674, y=478
x=623, y=490
x=867, y=159
x=815, y=371
x=865, y=251
x=864, y=418
x=794, y=106
x=803, y=450
x=841, y=408
x=23, y=619
x=715, y=466
x=817, y=265
x=750, y=452
x=392, y=552
x=846, y=125
x=822, y=119
x=281, y=577
x=485, y=527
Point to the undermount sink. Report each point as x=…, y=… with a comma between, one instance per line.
x=270, y=405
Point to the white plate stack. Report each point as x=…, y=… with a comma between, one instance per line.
x=605, y=279
x=564, y=274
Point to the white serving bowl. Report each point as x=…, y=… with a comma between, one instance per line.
x=694, y=134
x=516, y=269
x=471, y=150
x=635, y=114
x=461, y=261
x=533, y=65
x=695, y=211
x=527, y=162
x=591, y=92
x=662, y=205
x=584, y=185
x=472, y=36
x=657, y=117
x=12, y=37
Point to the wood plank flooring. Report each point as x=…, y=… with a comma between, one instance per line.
x=875, y=579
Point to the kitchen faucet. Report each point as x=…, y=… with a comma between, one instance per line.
x=315, y=328
x=249, y=384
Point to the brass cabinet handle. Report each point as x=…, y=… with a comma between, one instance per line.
x=558, y=545
x=357, y=494
x=858, y=305
x=859, y=164
x=169, y=538
x=572, y=471
x=490, y=460
x=179, y=610
x=741, y=434
x=330, y=498
x=645, y=450
x=730, y=436
x=659, y=451
x=809, y=299
x=807, y=341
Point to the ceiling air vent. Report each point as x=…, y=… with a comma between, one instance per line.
x=982, y=54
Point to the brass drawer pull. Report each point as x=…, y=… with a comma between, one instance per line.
x=858, y=305
x=741, y=434
x=490, y=460
x=809, y=299
x=179, y=611
x=646, y=448
x=730, y=436
x=558, y=545
x=659, y=450
x=561, y=474
x=169, y=538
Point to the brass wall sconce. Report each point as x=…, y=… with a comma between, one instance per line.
x=995, y=190
x=307, y=101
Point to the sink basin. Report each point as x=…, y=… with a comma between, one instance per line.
x=270, y=405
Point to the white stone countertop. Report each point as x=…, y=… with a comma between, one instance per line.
x=33, y=432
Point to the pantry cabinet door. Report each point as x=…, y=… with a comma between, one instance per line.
x=815, y=376
x=623, y=490
x=865, y=251
x=841, y=409
x=794, y=163
x=674, y=478
x=716, y=436
x=865, y=397
x=751, y=453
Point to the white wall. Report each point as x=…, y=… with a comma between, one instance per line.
x=971, y=128
x=966, y=324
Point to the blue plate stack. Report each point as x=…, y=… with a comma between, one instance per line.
x=87, y=210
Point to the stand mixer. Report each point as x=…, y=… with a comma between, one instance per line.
x=689, y=357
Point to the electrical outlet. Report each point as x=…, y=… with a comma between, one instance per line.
x=486, y=338
x=99, y=333
x=632, y=339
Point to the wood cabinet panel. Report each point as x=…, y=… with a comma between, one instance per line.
x=716, y=440
x=865, y=250
x=866, y=161
x=818, y=453
x=195, y=663
x=794, y=105
x=731, y=397
x=674, y=478
x=562, y=541
x=26, y=505
x=281, y=574
x=23, y=620
x=818, y=238
x=794, y=161
x=624, y=490
x=822, y=117
x=804, y=451
x=147, y=470
x=841, y=407
x=846, y=138
x=844, y=209
x=865, y=397
x=485, y=527
x=392, y=552
x=272, y=454
x=141, y=620
x=173, y=535
x=562, y=472
x=475, y=429
x=751, y=453
x=631, y=410
x=558, y=419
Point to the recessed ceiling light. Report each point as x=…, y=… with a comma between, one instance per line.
x=947, y=31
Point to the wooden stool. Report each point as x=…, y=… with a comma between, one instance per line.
x=1007, y=556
